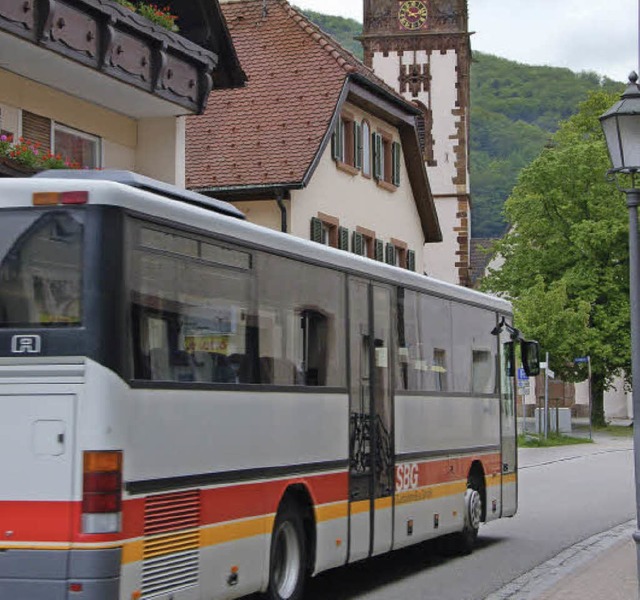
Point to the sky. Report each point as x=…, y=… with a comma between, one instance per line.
x=582, y=35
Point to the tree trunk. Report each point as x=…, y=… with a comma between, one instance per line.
x=597, y=400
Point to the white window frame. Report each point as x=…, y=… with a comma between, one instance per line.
x=55, y=126
x=366, y=148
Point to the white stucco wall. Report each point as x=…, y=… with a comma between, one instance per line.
x=617, y=401
x=440, y=258
x=161, y=149
x=358, y=201
x=265, y=213
x=444, y=78
x=153, y=147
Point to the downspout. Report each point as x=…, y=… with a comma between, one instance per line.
x=283, y=211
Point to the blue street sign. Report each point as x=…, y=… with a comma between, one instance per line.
x=581, y=359
x=522, y=376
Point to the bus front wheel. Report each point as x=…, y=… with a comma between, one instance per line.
x=287, y=564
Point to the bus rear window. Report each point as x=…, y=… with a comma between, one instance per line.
x=41, y=268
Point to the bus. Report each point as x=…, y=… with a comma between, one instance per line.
x=193, y=406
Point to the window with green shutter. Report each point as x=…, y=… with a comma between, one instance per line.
x=343, y=238
x=357, y=244
x=411, y=260
x=316, y=230
x=357, y=145
x=390, y=254
x=337, y=141
x=395, y=162
x=379, y=255
x=378, y=160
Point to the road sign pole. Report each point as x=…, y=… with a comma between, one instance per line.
x=546, y=399
x=590, y=419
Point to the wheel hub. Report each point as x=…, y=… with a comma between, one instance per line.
x=473, y=505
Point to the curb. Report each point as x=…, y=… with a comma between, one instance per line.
x=533, y=584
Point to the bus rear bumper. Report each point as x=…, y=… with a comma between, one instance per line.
x=60, y=575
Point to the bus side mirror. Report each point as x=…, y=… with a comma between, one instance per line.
x=530, y=351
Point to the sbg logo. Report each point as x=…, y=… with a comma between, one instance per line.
x=26, y=344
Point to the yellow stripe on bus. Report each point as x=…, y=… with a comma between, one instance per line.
x=360, y=507
x=510, y=478
x=431, y=492
x=329, y=512
x=229, y=532
x=385, y=502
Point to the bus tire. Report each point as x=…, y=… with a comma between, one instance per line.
x=288, y=556
x=463, y=542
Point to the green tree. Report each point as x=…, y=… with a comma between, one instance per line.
x=566, y=254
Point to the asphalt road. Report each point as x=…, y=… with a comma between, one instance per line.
x=566, y=495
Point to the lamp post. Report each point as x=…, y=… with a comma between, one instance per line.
x=621, y=126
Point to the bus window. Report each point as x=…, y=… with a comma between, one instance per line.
x=424, y=342
x=482, y=372
x=41, y=268
x=191, y=319
x=474, y=351
x=439, y=370
x=301, y=318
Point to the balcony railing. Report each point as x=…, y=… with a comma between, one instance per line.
x=110, y=39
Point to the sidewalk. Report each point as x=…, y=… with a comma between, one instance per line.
x=602, y=567
x=610, y=571
x=609, y=576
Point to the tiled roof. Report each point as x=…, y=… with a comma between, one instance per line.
x=270, y=131
x=481, y=256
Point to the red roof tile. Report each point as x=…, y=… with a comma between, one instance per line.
x=270, y=131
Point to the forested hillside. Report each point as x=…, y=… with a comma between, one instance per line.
x=515, y=108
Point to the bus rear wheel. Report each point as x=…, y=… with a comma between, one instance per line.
x=287, y=564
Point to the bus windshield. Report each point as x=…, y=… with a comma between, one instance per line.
x=41, y=268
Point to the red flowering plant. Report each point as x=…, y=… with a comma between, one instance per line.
x=160, y=15
x=31, y=155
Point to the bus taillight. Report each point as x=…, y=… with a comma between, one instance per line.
x=102, y=492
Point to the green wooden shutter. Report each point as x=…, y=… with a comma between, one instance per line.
x=357, y=243
x=357, y=145
x=390, y=254
x=343, y=238
x=379, y=250
x=376, y=140
x=316, y=230
x=337, y=152
x=411, y=260
x=395, y=163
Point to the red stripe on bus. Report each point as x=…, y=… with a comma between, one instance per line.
x=454, y=469
x=44, y=521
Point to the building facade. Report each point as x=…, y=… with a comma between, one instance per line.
x=100, y=86
x=315, y=144
x=421, y=48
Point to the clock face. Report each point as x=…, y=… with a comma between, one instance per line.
x=412, y=14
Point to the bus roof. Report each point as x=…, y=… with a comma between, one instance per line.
x=149, y=200
x=145, y=183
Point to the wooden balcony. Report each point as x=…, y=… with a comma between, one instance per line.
x=104, y=53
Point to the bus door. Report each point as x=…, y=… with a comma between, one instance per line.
x=508, y=428
x=371, y=420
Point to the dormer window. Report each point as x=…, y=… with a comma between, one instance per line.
x=386, y=160
x=366, y=149
x=346, y=144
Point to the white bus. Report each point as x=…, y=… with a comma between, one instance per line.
x=195, y=407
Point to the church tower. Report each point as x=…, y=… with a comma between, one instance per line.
x=422, y=49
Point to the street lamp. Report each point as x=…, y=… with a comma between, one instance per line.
x=621, y=126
